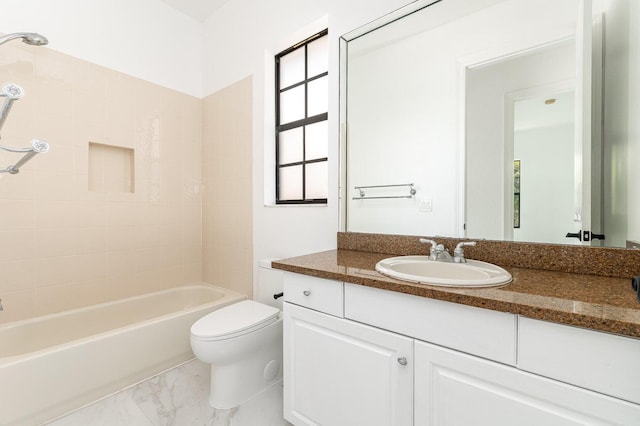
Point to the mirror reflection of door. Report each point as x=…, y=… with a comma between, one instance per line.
x=566, y=204
x=543, y=143
x=522, y=107
x=493, y=90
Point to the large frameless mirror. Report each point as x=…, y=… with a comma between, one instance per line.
x=496, y=119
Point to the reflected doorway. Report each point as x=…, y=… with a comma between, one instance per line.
x=544, y=182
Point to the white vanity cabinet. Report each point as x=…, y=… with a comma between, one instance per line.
x=364, y=356
x=338, y=372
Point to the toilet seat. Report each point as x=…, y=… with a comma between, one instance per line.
x=234, y=320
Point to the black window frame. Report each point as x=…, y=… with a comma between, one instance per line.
x=301, y=123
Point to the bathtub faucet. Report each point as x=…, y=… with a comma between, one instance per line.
x=1, y=308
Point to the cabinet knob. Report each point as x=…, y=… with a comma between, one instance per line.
x=306, y=293
x=402, y=360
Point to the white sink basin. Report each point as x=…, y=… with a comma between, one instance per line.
x=419, y=269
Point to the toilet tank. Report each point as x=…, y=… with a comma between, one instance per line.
x=270, y=282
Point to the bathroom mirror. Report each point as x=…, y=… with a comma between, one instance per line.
x=495, y=119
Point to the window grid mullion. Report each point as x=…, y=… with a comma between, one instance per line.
x=300, y=83
x=303, y=122
x=298, y=163
x=306, y=115
x=298, y=123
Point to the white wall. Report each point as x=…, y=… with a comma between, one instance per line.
x=143, y=38
x=241, y=40
x=402, y=129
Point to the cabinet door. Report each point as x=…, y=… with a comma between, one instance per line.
x=455, y=389
x=341, y=373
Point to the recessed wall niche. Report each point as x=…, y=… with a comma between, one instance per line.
x=111, y=168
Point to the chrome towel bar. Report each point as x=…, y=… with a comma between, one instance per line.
x=363, y=196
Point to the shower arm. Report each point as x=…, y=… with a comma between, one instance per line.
x=12, y=149
x=10, y=37
x=4, y=109
x=37, y=146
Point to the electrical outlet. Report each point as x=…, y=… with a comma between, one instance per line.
x=425, y=206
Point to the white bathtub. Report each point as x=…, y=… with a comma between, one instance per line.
x=53, y=364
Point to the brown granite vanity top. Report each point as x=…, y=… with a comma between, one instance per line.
x=590, y=301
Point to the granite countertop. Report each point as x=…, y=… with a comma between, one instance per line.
x=590, y=301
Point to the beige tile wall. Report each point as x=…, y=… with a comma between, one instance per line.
x=64, y=246
x=227, y=194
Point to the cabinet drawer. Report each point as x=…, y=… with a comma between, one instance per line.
x=602, y=362
x=315, y=293
x=477, y=331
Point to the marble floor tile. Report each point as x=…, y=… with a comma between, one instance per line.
x=118, y=409
x=178, y=397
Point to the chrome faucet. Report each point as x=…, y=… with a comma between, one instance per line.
x=442, y=254
x=432, y=251
x=1, y=308
x=438, y=252
x=458, y=253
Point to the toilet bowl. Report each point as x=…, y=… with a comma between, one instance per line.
x=243, y=344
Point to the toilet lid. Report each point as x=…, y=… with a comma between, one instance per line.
x=239, y=318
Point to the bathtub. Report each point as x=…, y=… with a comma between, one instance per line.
x=53, y=364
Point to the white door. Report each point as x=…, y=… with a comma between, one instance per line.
x=341, y=373
x=455, y=389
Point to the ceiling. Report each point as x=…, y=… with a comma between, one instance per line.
x=197, y=9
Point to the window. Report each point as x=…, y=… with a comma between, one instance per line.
x=302, y=133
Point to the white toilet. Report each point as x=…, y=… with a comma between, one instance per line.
x=243, y=344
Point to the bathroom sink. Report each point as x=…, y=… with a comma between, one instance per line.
x=419, y=269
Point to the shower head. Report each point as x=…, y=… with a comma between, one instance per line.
x=12, y=91
x=33, y=39
x=39, y=146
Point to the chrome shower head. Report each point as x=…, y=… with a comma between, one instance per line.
x=12, y=91
x=39, y=146
x=33, y=39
